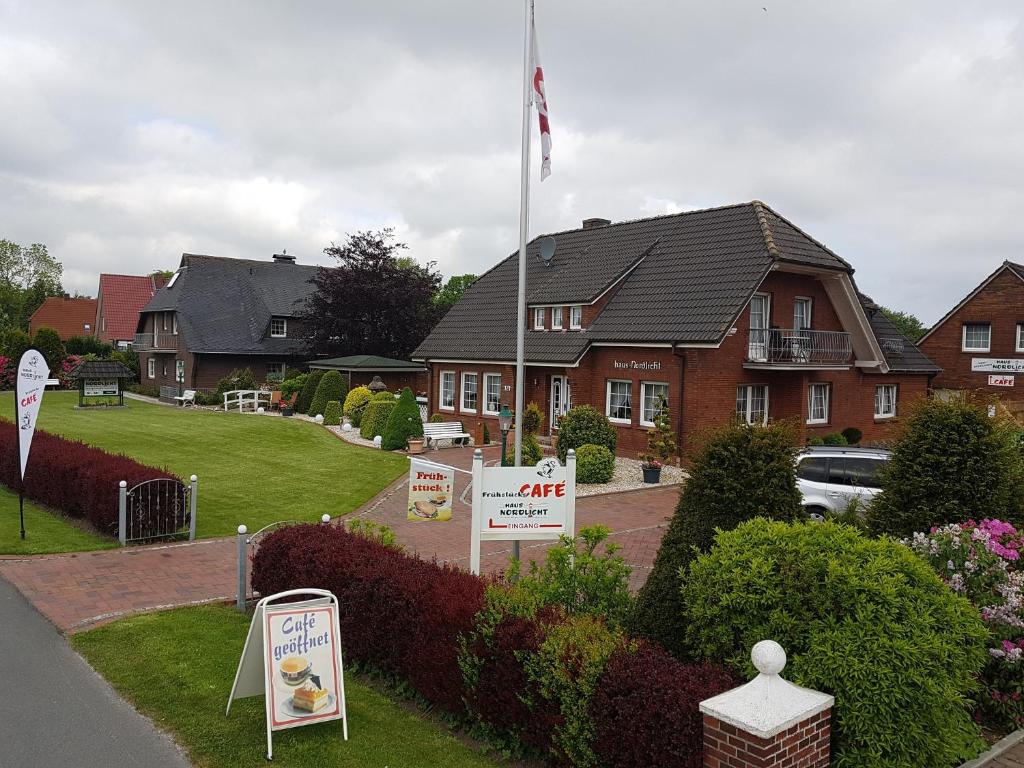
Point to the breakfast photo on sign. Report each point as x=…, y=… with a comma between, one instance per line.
x=431, y=488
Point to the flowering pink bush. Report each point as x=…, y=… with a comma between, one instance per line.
x=63, y=373
x=983, y=562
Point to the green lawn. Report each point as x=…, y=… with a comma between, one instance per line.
x=46, y=533
x=179, y=673
x=252, y=469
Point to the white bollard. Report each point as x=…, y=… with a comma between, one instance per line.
x=242, y=541
x=325, y=518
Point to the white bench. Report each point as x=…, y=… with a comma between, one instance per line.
x=187, y=399
x=447, y=430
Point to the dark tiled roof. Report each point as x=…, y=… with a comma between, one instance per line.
x=225, y=305
x=68, y=317
x=1018, y=268
x=694, y=272
x=901, y=354
x=101, y=369
x=365, y=363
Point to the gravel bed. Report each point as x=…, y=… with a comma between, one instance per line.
x=629, y=477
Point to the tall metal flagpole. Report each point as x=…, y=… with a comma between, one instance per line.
x=524, y=225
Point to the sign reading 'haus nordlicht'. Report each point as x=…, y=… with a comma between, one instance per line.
x=637, y=365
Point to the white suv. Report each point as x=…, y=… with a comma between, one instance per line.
x=829, y=477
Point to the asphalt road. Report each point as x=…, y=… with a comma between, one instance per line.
x=56, y=712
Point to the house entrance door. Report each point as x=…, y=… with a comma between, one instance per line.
x=559, y=400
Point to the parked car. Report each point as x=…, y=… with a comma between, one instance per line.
x=829, y=477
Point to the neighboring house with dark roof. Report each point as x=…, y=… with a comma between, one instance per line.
x=980, y=342
x=119, y=301
x=721, y=311
x=216, y=315
x=359, y=370
x=68, y=317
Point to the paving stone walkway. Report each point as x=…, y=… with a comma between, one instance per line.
x=82, y=590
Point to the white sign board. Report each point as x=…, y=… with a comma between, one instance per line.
x=101, y=387
x=33, y=373
x=1000, y=381
x=431, y=491
x=292, y=656
x=997, y=364
x=522, y=503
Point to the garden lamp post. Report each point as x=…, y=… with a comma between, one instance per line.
x=504, y=424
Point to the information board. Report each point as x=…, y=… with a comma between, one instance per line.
x=101, y=387
x=997, y=364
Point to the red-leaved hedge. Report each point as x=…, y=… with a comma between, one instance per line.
x=73, y=478
x=645, y=709
x=399, y=613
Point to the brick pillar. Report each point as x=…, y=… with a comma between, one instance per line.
x=768, y=721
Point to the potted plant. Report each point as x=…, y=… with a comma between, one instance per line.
x=287, y=408
x=661, y=444
x=416, y=444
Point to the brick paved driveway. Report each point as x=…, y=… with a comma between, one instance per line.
x=77, y=591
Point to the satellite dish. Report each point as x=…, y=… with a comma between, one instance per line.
x=547, y=250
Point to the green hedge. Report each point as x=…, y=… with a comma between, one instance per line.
x=332, y=413
x=403, y=423
x=584, y=425
x=332, y=386
x=594, y=464
x=375, y=418
x=305, y=397
x=863, y=619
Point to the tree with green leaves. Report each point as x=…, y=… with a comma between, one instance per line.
x=27, y=276
x=403, y=422
x=48, y=342
x=451, y=292
x=906, y=323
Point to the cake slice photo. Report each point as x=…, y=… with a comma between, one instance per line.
x=309, y=697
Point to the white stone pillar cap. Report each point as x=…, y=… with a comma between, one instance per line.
x=767, y=705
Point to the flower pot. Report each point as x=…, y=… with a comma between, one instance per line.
x=652, y=475
x=287, y=411
x=416, y=444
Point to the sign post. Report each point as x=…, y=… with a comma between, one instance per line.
x=522, y=503
x=31, y=383
x=292, y=655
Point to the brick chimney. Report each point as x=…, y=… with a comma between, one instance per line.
x=595, y=223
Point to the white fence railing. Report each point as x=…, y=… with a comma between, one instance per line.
x=250, y=399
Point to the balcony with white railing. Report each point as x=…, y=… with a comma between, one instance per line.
x=159, y=341
x=798, y=348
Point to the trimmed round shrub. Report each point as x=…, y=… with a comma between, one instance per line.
x=384, y=397
x=355, y=403
x=853, y=435
x=403, y=422
x=305, y=397
x=332, y=413
x=332, y=386
x=375, y=418
x=865, y=620
x=741, y=471
x=655, y=699
x=834, y=438
x=952, y=463
x=584, y=425
x=533, y=419
x=594, y=464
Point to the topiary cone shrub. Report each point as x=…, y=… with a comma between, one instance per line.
x=865, y=620
x=355, y=403
x=594, y=464
x=582, y=425
x=403, y=422
x=655, y=699
x=741, y=471
x=332, y=413
x=375, y=418
x=951, y=463
x=305, y=397
x=330, y=387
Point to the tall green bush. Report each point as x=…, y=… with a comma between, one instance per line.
x=355, y=403
x=292, y=385
x=863, y=619
x=240, y=378
x=582, y=425
x=332, y=386
x=375, y=418
x=533, y=419
x=48, y=342
x=332, y=413
x=85, y=345
x=308, y=390
x=741, y=471
x=403, y=423
x=953, y=462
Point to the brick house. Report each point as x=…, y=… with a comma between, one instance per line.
x=119, y=301
x=216, y=315
x=980, y=342
x=724, y=311
x=68, y=317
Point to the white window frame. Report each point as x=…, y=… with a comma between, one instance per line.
x=174, y=323
x=643, y=400
x=986, y=348
x=539, y=318
x=575, y=317
x=1020, y=337
x=748, y=395
x=608, y=401
x=440, y=391
x=276, y=378
x=810, y=402
x=488, y=377
x=880, y=400
x=797, y=301
x=556, y=314
x=151, y=368
x=462, y=398
x=284, y=327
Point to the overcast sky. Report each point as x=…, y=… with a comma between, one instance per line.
x=133, y=131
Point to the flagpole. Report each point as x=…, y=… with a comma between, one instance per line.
x=524, y=226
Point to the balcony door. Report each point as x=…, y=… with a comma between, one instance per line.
x=758, y=340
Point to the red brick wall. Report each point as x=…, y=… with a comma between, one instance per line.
x=804, y=745
x=1000, y=303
